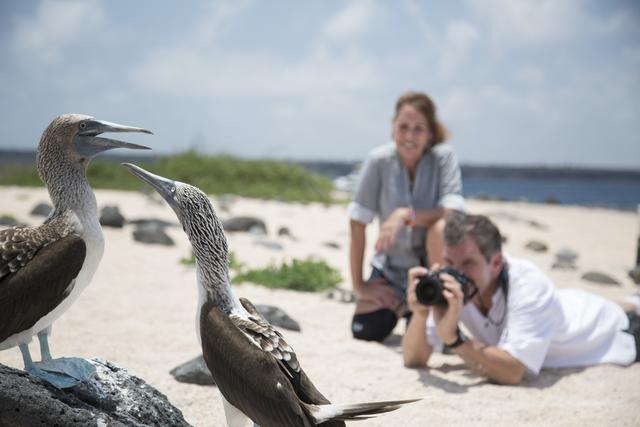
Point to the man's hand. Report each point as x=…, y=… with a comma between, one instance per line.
x=446, y=318
x=390, y=228
x=416, y=306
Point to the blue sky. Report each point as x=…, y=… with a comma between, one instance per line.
x=522, y=82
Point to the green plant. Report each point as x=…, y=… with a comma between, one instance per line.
x=8, y=217
x=301, y=275
x=190, y=260
x=267, y=179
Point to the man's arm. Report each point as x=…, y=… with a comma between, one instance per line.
x=493, y=362
x=415, y=348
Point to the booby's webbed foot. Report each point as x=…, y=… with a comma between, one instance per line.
x=65, y=372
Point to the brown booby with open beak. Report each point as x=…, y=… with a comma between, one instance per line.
x=44, y=269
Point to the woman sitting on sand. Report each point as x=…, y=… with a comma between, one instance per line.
x=409, y=185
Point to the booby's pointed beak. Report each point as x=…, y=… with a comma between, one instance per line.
x=165, y=187
x=89, y=144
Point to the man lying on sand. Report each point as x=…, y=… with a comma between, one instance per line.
x=518, y=320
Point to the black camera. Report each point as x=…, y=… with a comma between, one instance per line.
x=430, y=287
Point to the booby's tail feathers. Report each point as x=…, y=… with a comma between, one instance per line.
x=352, y=411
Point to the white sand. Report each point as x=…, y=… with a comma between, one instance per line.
x=139, y=313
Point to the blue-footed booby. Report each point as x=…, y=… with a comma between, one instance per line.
x=256, y=371
x=44, y=269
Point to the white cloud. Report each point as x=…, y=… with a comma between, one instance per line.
x=187, y=72
x=55, y=26
x=460, y=36
x=353, y=20
x=531, y=75
x=414, y=10
x=201, y=66
x=517, y=22
x=218, y=19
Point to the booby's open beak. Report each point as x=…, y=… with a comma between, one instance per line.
x=165, y=187
x=89, y=144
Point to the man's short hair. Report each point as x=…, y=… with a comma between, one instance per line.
x=480, y=228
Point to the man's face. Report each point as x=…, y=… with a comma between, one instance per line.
x=467, y=258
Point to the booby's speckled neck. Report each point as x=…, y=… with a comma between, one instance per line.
x=64, y=175
x=212, y=261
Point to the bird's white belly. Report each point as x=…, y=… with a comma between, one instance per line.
x=235, y=417
x=94, y=242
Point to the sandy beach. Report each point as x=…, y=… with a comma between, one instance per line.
x=139, y=312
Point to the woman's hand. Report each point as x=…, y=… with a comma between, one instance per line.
x=389, y=229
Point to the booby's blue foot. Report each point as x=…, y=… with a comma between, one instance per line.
x=64, y=372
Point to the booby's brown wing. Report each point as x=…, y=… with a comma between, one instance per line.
x=35, y=276
x=303, y=386
x=256, y=381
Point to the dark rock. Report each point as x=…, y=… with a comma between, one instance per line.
x=277, y=317
x=566, y=255
x=284, y=232
x=152, y=233
x=634, y=274
x=565, y=259
x=535, y=224
x=110, y=216
x=245, y=223
x=601, y=278
x=42, y=209
x=332, y=245
x=483, y=196
x=111, y=398
x=552, y=200
x=561, y=265
x=511, y=217
x=536, y=246
x=342, y=295
x=194, y=371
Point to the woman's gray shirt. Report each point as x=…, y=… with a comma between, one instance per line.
x=384, y=186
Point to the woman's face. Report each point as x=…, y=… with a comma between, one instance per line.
x=411, y=133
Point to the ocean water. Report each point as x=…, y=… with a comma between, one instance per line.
x=597, y=188
x=616, y=193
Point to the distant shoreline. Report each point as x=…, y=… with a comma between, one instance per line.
x=334, y=169
x=590, y=187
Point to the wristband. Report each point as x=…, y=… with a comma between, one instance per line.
x=460, y=339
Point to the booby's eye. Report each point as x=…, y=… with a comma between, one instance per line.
x=83, y=125
x=173, y=189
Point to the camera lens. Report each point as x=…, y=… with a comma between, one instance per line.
x=429, y=290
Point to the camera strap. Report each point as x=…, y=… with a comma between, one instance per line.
x=503, y=284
